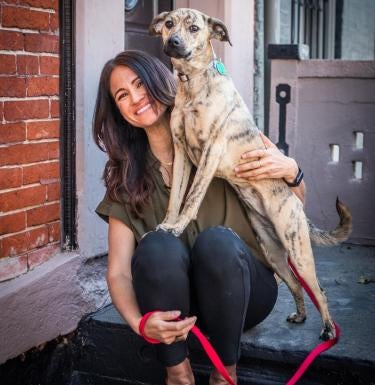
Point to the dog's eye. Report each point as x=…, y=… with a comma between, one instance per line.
x=193, y=28
x=169, y=24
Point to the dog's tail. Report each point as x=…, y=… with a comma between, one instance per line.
x=339, y=234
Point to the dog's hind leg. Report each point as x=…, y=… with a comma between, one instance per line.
x=276, y=255
x=284, y=272
x=295, y=238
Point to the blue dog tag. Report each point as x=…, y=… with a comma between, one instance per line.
x=220, y=67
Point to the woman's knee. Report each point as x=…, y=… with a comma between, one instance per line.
x=160, y=251
x=217, y=247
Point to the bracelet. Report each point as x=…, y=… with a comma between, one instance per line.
x=142, y=325
x=297, y=179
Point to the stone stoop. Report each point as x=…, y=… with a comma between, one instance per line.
x=109, y=352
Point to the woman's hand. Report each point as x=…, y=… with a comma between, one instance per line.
x=267, y=163
x=162, y=326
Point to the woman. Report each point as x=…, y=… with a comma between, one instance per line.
x=210, y=274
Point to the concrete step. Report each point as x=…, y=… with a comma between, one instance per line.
x=109, y=352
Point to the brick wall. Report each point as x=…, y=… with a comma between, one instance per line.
x=29, y=134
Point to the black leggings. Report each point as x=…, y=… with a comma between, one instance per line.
x=219, y=281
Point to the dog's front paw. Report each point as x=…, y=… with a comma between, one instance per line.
x=328, y=332
x=168, y=228
x=296, y=318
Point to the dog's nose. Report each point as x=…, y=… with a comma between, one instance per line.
x=174, y=41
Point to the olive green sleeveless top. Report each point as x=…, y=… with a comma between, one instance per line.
x=220, y=206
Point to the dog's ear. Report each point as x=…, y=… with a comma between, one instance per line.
x=218, y=30
x=157, y=23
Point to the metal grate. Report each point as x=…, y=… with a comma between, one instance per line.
x=313, y=23
x=68, y=130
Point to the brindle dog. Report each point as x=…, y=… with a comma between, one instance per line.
x=212, y=126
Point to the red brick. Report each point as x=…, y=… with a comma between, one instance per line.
x=26, y=109
x=43, y=214
x=28, y=153
x=16, y=244
x=23, y=153
x=55, y=109
x=42, y=86
x=12, y=223
x=10, y=177
x=37, y=237
x=37, y=172
x=12, y=267
x=41, y=255
x=13, y=245
x=27, y=65
x=11, y=40
x=53, y=150
x=21, y=198
x=8, y=64
x=47, y=4
x=53, y=22
x=12, y=87
x=43, y=129
x=17, y=17
x=1, y=110
x=49, y=65
x=53, y=231
x=10, y=1
x=12, y=132
x=53, y=192
x=37, y=42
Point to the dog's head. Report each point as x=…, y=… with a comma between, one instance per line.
x=186, y=33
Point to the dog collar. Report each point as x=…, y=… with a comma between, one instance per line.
x=216, y=64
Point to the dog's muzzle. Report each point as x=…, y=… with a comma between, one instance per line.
x=174, y=47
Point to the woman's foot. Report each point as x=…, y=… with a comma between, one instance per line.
x=217, y=379
x=180, y=374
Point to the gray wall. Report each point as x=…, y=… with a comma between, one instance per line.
x=358, y=30
x=331, y=100
x=99, y=37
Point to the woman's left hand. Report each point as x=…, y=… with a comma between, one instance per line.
x=266, y=163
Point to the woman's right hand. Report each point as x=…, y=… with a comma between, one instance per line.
x=163, y=326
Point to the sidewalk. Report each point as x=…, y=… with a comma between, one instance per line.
x=352, y=305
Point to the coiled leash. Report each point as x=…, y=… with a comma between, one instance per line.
x=215, y=359
x=210, y=351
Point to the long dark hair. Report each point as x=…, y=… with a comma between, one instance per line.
x=126, y=145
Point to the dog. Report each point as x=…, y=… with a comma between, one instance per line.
x=211, y=127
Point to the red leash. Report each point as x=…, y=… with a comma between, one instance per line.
x=319, y=348
x=215, y=359
x=213, y=356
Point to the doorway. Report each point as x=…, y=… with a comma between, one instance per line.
x=138, y=15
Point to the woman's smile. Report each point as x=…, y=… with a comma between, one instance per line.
x=132, y=98
x=143, y=109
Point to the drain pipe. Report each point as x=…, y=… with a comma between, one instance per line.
x=271, y=36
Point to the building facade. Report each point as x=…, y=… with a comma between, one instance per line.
x=52, y=244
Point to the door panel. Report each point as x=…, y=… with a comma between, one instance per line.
x=137, y=20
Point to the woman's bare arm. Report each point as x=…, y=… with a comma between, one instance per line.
x=270, y=163
x=121, y=245
x=160, y=325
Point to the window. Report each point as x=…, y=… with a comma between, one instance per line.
x=313, y=22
